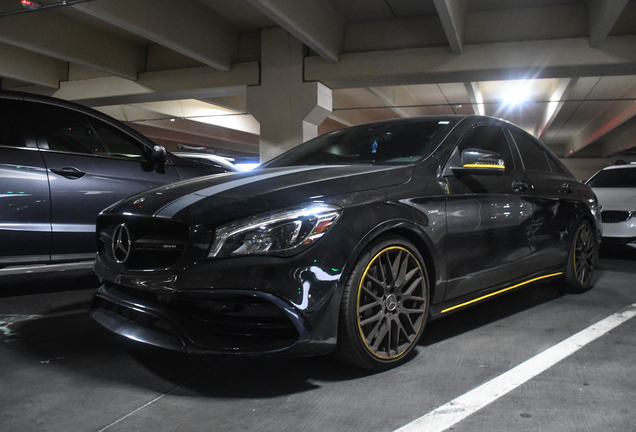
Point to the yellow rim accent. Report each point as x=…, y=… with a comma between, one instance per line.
x=501, y=291
x=364, y=275
x=484, y=166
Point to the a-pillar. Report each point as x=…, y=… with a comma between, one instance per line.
x=288, y=109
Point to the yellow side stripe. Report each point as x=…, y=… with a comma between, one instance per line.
x=501, y=291
x=484, y=166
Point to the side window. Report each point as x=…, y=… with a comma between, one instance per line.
x=534, y=158
x=10, y=130
x=489, y=138
x=66, y=130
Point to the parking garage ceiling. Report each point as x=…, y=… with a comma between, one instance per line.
x=564, y=70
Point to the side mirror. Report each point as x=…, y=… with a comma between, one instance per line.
x=158, y=157
x=475, y=161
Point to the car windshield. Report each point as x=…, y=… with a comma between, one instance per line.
x=614, y=178
x=376, y=144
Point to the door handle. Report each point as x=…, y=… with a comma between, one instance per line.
x=519, y=186
x=566, y=188
x=69, y=172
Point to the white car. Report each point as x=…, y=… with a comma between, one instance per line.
x=615, y=187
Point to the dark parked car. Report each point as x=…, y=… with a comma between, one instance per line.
x=60, y=165
x=350, y=242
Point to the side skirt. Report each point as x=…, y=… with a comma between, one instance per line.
x=445, y=308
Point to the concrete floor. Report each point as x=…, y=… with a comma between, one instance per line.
x=60, y=371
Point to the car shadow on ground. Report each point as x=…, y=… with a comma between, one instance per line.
x=81, y=346
x=84, y=347
x=617, y=259
x=489, y=311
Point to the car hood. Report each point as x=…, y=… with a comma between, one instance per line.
x=616, y=198
x=229, y=196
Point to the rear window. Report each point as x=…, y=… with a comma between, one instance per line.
x=614, y=178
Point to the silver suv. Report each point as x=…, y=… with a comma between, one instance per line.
x=60, y=165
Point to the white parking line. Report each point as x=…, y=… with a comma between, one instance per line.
x=453, y=412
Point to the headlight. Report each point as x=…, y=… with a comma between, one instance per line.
x=274, y=232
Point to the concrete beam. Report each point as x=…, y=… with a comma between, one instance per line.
x=488, y=62
x=532, y=23
x=553, y=108
x=30, y=67
x=188, y=132
x=203, y=112
x=452, y=14
x=476, y=98
x=314, y=22
x=208, y=39
x=192, y=83
x=624, y=141
x=610, y=115
x=361, y=116
x=201, y=78
x=602, y=15
x=381, y=94
x=571, y=116
x=359, y=98
x=63, y=38
x=618, y=114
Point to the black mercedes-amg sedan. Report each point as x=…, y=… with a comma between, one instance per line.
x=349, y=243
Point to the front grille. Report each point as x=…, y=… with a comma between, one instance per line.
x=615, y=216
x=154, y=243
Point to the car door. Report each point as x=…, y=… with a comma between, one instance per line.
x=25, y=211
x=555, y=203
x=488, y=217
x=91, y=164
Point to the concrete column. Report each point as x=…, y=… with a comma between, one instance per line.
x=288, y=109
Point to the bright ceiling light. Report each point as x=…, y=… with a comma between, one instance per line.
x=516, y=95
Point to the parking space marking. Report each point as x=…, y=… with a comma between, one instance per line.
x=458, y=409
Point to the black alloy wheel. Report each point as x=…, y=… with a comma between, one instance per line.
x=384, y=307
x=579, y=273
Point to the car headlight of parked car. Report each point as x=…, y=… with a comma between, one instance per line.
x=280, y=232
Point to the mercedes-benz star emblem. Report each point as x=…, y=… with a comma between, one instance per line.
x=391, y=302
x=121, y=243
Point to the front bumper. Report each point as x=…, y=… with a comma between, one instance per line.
x=620, y=233
x=244, y=305
x=226, y=322
x=620, y=241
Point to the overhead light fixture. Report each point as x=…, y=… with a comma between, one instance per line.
x=516, y=95
x=31, y=5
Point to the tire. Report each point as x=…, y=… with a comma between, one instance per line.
x=384, y=306
x=579, y=271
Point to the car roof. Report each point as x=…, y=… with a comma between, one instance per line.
x=626, y=166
